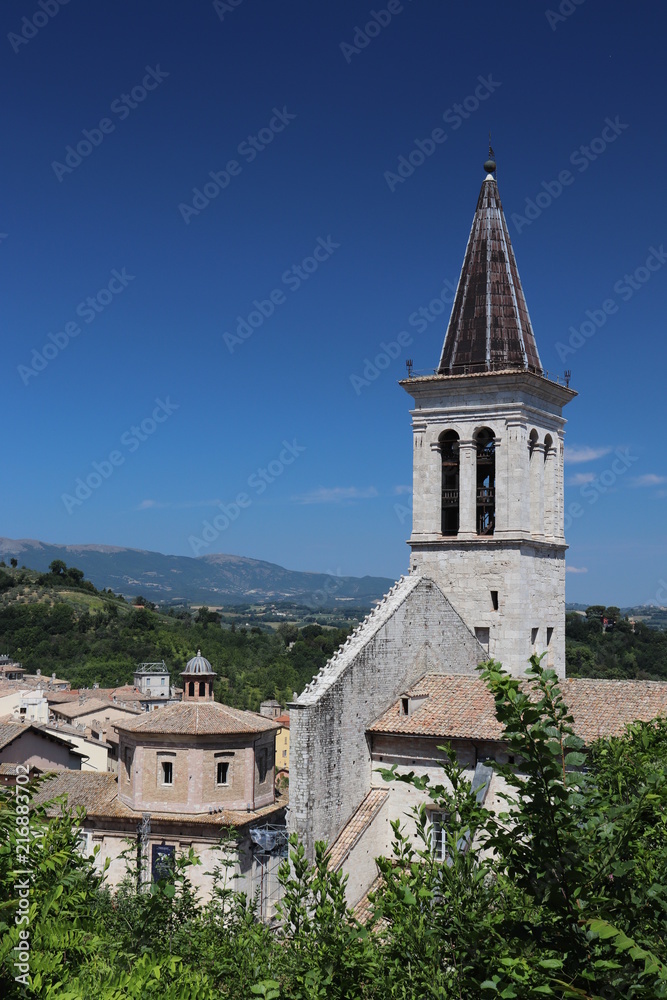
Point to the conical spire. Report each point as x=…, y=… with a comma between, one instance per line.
x=489, y=329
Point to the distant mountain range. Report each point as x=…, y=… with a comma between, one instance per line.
x=211, y=579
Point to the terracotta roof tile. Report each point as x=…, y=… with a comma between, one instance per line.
x=72, y=710
x=460, y=707
x=9, y=731
x=197, y=719
x=355, y=827
x=362, y=910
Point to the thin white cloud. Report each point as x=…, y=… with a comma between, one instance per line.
x=399, y=491
x=581, y=478
x=168, y=505
x=576, y=569
x=649, y=479
x=337, y=494
x=578, y=453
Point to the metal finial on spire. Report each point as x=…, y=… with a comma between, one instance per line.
x=490, y=164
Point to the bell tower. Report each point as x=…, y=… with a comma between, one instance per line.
x=488, y=459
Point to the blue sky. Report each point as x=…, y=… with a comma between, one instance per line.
x=209, y=348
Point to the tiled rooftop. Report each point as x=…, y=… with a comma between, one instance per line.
x=208, y=718
x=355, y=827
x=73, y=709
x=9, y=731
x=362, y=910
x=460, y=707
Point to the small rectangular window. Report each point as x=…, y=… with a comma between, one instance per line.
x=550, y=633
x=128, y=763
x=167, y=772
x=284, y=753
x=222, y=772
x=482, y=636
x=262, y=764
x=534, y=632
x=494, y=599
x=405, y=706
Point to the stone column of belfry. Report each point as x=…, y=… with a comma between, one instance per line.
x=467, y=488
x=559, y=527
x=537, y=490
x=422, y=483
x=550, y=492
x=512, y=481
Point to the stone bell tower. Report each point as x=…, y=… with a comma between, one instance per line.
x=488, y=459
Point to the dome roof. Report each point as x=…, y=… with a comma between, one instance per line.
x=198, y=665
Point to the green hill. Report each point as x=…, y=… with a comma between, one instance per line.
x=87, y=636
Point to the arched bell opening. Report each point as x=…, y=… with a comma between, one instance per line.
x=449, y=453
x=486, y=481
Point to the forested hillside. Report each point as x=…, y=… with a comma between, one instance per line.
x=58, y=623
x=604, y=644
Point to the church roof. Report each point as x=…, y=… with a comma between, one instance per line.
x=197, y=718
x=197, y=665
x=489, y=328
x=460, y=707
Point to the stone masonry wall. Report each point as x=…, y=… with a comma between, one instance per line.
x=414, y=631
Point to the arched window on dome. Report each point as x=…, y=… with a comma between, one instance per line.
x=486, y=481
x=202, y=689
x=449, y=452
x=191, y=689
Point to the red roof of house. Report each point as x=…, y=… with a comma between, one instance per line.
x=462, y=707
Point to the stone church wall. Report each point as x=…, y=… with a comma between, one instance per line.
x=414, y=631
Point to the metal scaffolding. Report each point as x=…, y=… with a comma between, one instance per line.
x=270, y=848
x=143, y=861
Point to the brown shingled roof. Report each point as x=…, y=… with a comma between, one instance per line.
x=208, y=718
x=489, y=327
x=461, y=707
